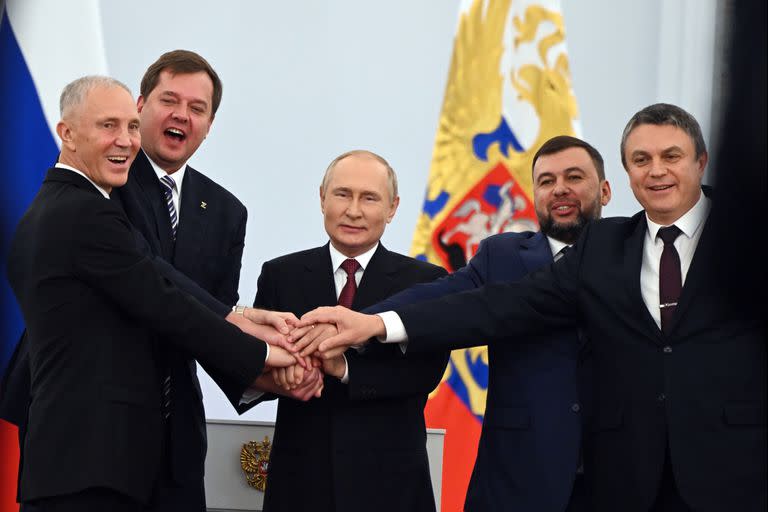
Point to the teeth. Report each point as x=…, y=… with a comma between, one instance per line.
x=174, y=131
x=117, y=159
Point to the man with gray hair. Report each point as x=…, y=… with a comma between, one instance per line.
x=362, y=444
x=94, y=307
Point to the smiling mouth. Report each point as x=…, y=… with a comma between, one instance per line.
x=658, y=188
x=117, y=159
x=175, y=133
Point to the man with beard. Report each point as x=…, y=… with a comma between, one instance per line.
x=529, y=453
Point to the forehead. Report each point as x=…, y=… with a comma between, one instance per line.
x=565, y=160
x=359, y=172
x=105, y=101
x=196, y=85
x=653, y=138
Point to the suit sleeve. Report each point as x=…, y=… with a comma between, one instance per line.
x=499, y=312
x=179, y=279
x=230, y=279
x=466, y=278
x=105, y=256
x=383, y=371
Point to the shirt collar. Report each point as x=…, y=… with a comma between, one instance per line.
x=69, y=168
x=337, y=258
x=177, y=176
x=690, y=221
x=556, y=245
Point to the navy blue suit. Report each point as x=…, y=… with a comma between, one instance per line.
x=530, y=441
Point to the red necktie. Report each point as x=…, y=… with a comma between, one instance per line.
x=670, y=279
x=347, y=294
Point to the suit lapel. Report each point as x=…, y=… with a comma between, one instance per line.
x=317, y=283
x=147, y=181
x=535, y=252
x=193, y=222
x=377, y=280
x=633, y=262
x=696, y=274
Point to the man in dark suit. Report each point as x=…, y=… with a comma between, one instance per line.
x=92, y=304
x=362, y=444
x=180, y=94
x=528, y=458
x=680, y=373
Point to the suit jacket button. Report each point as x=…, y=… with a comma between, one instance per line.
x=661, y=397
x=667, y=349
x=575, y=407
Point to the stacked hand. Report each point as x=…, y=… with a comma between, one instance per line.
x=303, y=351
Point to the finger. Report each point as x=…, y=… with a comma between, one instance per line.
x=303, y=345
x=324, y=315
x=299, y=332
x=341, y=340
x=280, y=378
x=333, y=353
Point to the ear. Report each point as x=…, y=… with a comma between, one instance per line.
x=64, y=131
x=140, y=103
x=702, y=163
x=393, y=209
x=322, y=200
x=605, y=192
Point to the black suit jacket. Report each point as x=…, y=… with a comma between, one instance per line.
x=208, y=249
x=361, y=446
x=699, y=391
x=92, y=305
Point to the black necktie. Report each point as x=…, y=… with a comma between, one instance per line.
x=670, y=278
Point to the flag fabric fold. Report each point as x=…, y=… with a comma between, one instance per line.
x=508, y=91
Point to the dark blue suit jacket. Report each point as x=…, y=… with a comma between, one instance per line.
x=529, y=445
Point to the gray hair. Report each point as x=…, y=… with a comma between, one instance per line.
x=391, y=176
x=75, y=92
x=665, y=114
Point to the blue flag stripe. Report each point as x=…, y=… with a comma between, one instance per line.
x=27, y=149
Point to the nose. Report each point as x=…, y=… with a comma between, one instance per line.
x=353, y=209
x=123, y=139
x=561, y=188
x=179, y=113
x=657, y=169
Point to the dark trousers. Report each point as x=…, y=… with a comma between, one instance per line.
x=96, y=500
x=579, y=501
x=668, y=498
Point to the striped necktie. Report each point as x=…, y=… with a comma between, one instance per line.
x=168, y=185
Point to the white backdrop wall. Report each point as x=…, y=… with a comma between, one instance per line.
x=306, y=80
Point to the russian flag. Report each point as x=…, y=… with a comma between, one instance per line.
x=44, y=44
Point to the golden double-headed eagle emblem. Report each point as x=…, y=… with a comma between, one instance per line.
x=254, y=459
x=505, y=53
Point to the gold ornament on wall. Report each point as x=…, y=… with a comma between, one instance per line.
x=254, y=459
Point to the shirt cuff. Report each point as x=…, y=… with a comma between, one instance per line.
x=345, y=377
x=249, y=395
x=395, y=328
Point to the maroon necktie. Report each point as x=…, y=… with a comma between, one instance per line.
x=347, y=294
x=670, y=279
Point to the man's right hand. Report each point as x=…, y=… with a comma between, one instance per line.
x=354, y=328
x=279, y=358
x=266, y=333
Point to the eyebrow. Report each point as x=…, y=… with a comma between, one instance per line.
x=550, y=174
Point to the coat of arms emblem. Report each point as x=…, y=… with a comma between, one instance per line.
x=254, y=459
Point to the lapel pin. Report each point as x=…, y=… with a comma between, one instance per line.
x=203, y=205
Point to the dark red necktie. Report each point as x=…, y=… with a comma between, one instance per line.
x=347, y=294
x=670, y=279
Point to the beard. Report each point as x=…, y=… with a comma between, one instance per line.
x=569, y=232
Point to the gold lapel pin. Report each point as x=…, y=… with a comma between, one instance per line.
x=203, y=205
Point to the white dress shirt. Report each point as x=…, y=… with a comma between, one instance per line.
x=178, y=178
x=340, y=279
x=691, y=224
